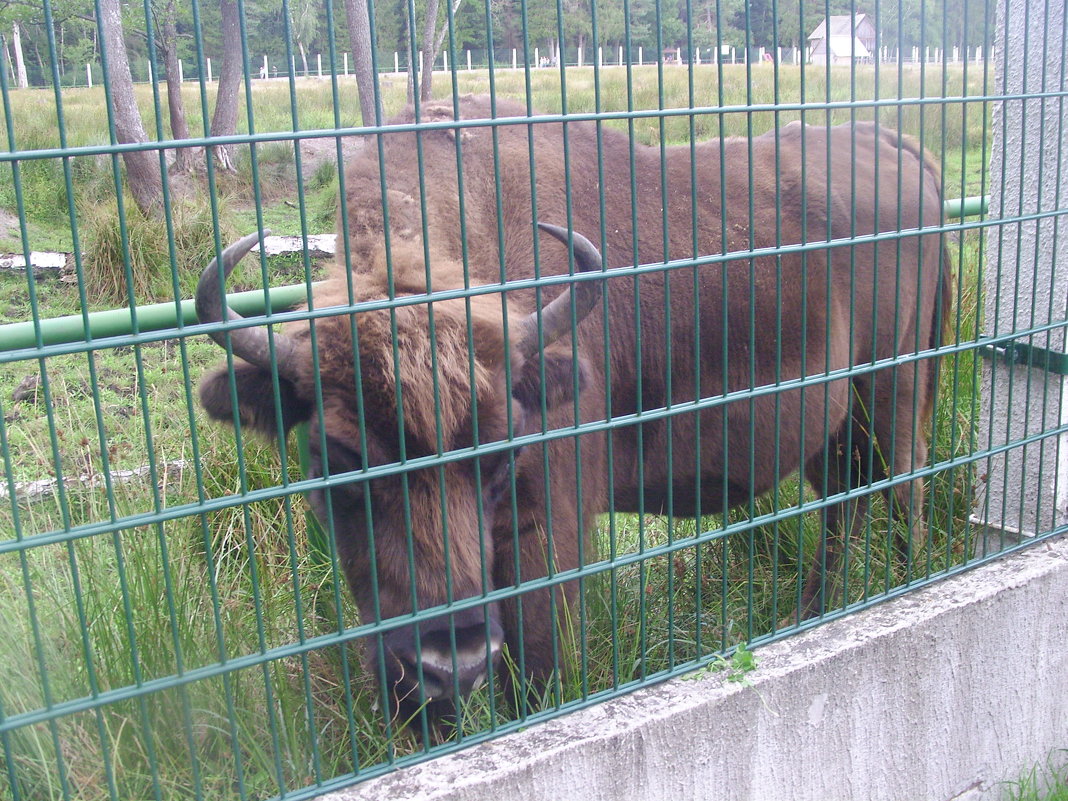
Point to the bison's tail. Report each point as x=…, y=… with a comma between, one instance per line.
x=942, y=323
x=937, y=251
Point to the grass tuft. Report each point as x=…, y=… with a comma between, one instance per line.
x=133, y=263
x=1048, y=783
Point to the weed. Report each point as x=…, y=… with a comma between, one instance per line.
x=738, y=666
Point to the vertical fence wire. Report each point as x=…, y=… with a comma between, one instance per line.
x=194, y=615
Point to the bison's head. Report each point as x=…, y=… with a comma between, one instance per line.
x=384, y=389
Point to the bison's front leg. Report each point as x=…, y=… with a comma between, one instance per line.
x=539, y=625
x=843, y=467
x=534, y=643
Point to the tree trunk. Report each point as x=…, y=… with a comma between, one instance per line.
x=42, y=65
x=413, y=60
x=224, y=120
x=183, y=156
x=430, y=28
x=360, y=43
x=432, y=40
x=303, y=57
x=440, y=40
x=142, y=166
x=20, y=64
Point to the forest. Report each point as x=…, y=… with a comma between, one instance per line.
x=299, y=30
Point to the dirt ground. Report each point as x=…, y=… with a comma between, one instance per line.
x=9, y=225
x=315, y=152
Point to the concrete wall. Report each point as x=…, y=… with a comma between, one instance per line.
x=942, y=694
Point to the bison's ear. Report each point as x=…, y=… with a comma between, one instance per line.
x=255, y=399
x=563, y=375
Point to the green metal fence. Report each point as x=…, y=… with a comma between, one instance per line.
x=178, y=623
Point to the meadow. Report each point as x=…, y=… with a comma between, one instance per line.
x=207, y=629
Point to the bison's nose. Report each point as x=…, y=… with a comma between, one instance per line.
x=446, y=673
x=451, y=657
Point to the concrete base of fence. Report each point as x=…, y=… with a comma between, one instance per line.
x=943, y=694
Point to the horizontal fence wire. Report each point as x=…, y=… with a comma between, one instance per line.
x=480, y=474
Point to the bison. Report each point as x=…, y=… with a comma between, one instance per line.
x=444, y=344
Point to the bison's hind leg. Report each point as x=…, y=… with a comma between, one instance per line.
x=903, y=398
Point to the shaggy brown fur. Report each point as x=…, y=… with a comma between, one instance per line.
x=734, y=325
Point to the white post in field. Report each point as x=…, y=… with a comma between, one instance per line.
x=207, y=61
x=89, y=75
x=537, y=58
x=600, y=56
x=345, y=60
x=181, y=72
x=514, y=62
x=468, y=59
x=396, y=61
x=263, y=72
x=678, y=55
x=580, y=55
x=319, y=64
x=620, y=56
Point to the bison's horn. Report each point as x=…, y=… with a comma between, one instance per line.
x=251, y=344
x=556, y=316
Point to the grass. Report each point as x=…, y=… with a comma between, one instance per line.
x=1041, y=783
x=109, y=612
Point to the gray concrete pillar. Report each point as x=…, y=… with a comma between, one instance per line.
x=1024, y=486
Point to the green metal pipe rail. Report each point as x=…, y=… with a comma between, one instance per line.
x=171, y=315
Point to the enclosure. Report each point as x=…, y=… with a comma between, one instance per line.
x=193, y=610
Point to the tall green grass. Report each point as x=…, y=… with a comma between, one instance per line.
x=120, y=609
x=1047, y=782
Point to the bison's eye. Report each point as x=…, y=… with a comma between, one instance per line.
x=496, y=478
x=346, y=499
x=340, y=457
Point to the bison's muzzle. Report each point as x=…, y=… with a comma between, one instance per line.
x=451, y=656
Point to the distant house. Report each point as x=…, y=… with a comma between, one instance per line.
x=850, y=37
